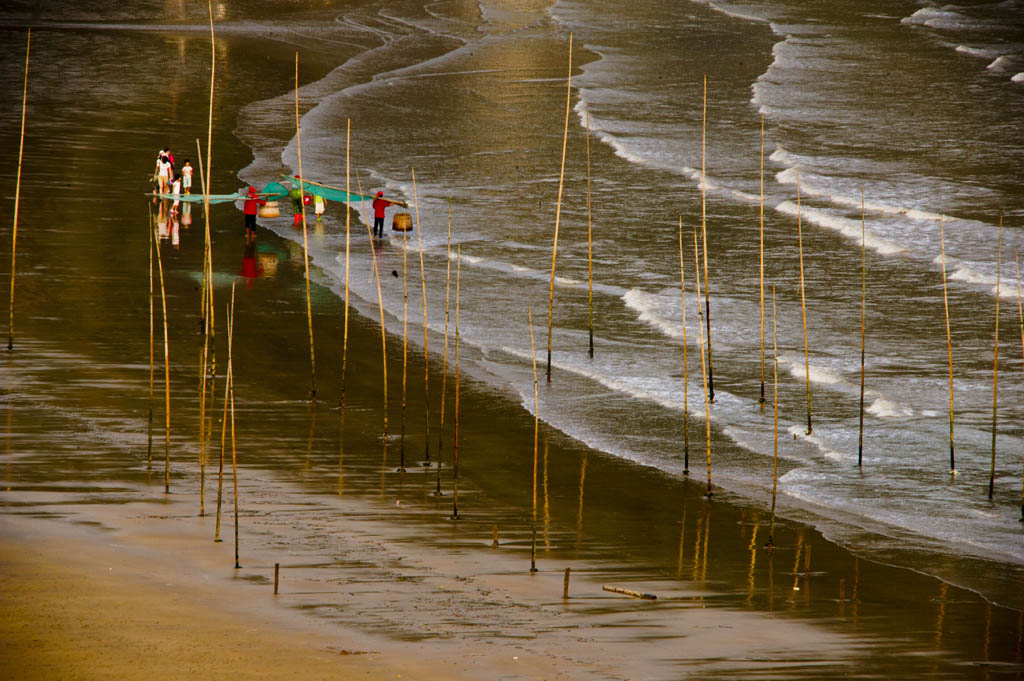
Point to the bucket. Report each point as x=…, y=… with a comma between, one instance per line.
x=270, y=210
x=402, y=222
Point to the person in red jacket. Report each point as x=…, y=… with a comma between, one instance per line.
x=380, y=204
x=251, y=207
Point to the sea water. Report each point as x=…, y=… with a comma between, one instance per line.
x=883, y=122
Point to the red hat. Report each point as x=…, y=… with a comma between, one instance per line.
x=380, y=193
x=252, y=191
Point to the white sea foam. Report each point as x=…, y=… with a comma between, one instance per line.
x=845, y=226
x=885, y=409
x=790, y=176
x=646, y=305
x=799, y=433
x=933, y=17
x=1019, y=78
x=1004, y=62
x=978, y=52
x=796, y=366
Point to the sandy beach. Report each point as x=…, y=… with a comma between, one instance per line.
x=106, y=577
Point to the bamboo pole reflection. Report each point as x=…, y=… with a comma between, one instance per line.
x=579, y=514
x=341, y=453
x=707, y=536
x=547, y=501
x=941, y=616
x=753, y=564
x=682, y=537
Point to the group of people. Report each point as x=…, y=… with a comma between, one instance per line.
x=169, y=180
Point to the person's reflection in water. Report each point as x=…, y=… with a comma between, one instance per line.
x=186, y=215
x=250, y=269
x=161, y=221
x=174, y=227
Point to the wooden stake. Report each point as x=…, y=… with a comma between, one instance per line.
x=149, y=448
x=703, y=370
x=231, y=382
x=167, y=374
x=277, y=571
x=426, y=355
x=444, y=374
x=803, y=305
x=686, y=364
x=558, y=209
x=710, y=388
x=17, y=192
x=380, y=306
x=590, y=251
x=761, y=262
x=1020, y=318
x=863, y=326
x=775, y=428
x=405, y=349
x=536, y=431
x=995, y=362
x=348, y=233
x=949, y=345
x=630, y=592
x=455, y=456
x=305, y=240
x=565, y=583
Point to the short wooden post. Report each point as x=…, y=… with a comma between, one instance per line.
x=494, y=534
x=565, y=583
x=277, y=571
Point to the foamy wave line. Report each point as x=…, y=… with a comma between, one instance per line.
x=1019, y=78
x=962, y=273
x=979, y=52
x=644, y=305
x=799, y=433
x=799, y=369
x=845, y=226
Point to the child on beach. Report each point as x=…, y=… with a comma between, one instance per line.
x=186, y=177
x=163, y=173
x=320, y=205
x=176, y=190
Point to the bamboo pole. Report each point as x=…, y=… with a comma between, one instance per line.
x=455, y=448
x=17, y=192
x=949, y=344
x=995, y=362
x=710, y=388
x=305, y=239
x=223, y=444
x=348, y=237
x=426, y=355
x=231, y=382
x=803, y=306
x=1020, y=318
x=703, y=370
x=380, y=306
x=590, y=251
x=686, y=364
x=405, y=350
x=167, y=376
x=444, y=374
x=207, y=297
x=558, y=209
x=775, y=428
x=761, y=262
x=149, y=447
x=863, y=326
x=536, y=431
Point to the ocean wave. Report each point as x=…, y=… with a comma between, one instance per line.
x=647, y=305
x=934, y=17
x=885, y=409
x=978, y=52
x=845, y=226
x=1019, y=78
x=1005, y=62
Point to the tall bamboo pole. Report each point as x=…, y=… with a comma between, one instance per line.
x=17, y=193
x=167, y=376
x=686, y=364
x=710, y=388
x=207, y=296
x=1020, y=319
x=149, y=447
x=558, y=209
x=703, y=371
x=863, y=326
x=380, y=306
x=426, y=355
x=590, y=251
x=206, y=306
x=995, y=362
x=455, y=448
x=231, y=382
x=305, y=240
x=775, y=428
x=949, y=344
x=348, y=237
x=803, y=306
x=405, y=349
x=536, y=431
x=444, y=374
x=761, y=262
x=223, y=443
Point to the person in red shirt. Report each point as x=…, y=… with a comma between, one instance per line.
x=251, y=207
x=380, y=204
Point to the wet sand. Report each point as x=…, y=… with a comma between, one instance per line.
x=372, y=562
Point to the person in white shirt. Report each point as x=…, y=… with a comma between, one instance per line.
x=186, y=177
x=163, y=173
x=176, y=190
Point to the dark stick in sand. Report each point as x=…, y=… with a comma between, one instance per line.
x=703, y=370
x=710, y=387
x=949, y=344
x=1020, y=318
x=444, y=374
x=405, y=349
x=231, y=382
x=686, y=364
x=761, y=262
x=149, y=447
x=558, y=209
x=775, y=428
x=863, y=323
x=803, y=305
x=167, y=376
x=17, y=192
x=995, y=362
x=455, y=447
x=348, y=233
x=380, y=306
x=305, y=239
x=426, y=356
x=590, y=252
x=536, y=431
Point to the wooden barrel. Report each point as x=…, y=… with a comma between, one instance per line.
x=402, y=222
x=271, y=210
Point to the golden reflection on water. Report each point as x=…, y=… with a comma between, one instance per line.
x=579, y=514
x=753, y=565
x=707, y=537
x=547, y=506
x=941, y=617
x=341, y=452
x=682, y=537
